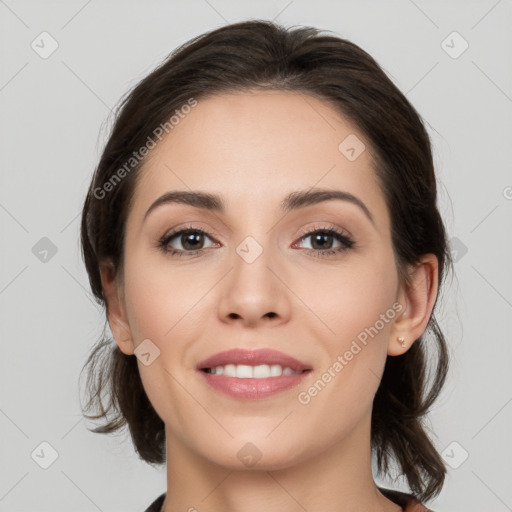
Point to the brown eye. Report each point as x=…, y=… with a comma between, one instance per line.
x=322, y=241
x=191, y=240
x=184, y=242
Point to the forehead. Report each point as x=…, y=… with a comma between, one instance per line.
x=254, y=147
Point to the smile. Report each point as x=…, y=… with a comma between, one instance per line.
x=244, y=371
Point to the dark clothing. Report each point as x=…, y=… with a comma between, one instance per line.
x=408, y=502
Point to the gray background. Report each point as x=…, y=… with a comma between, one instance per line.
x=54, y=114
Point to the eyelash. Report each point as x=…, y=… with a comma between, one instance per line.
x=346, y=242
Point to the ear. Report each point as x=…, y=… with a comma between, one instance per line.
x=417, y=298
x=116, y=312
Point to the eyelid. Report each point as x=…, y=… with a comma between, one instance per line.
x=191, y=226
x=324, y=227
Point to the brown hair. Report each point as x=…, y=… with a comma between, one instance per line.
x=263, y=55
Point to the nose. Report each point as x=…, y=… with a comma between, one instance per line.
x=254, y=292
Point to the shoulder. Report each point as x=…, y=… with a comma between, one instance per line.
x=407, y=501
x=156, y=506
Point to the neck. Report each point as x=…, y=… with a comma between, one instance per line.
x=338, y=479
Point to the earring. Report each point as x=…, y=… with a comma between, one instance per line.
x=402, y=342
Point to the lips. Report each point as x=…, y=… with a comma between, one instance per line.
x=253, y=358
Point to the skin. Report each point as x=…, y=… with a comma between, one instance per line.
x=252, y=149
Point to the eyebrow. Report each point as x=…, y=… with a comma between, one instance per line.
x=293, y=201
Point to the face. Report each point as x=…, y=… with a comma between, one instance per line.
x=315, y=281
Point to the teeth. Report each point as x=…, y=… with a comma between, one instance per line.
x=244, y=371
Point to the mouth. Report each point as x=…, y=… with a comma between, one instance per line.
x=252, y=358
x=252, y=374
x=244, y=371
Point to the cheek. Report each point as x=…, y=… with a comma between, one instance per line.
x=351, y=297
x=163, y=305
x=355, y=304
x=157, y=298
x=159, y=306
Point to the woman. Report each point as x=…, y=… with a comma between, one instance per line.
x=262, y=229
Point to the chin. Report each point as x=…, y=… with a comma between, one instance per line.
x=254, y=453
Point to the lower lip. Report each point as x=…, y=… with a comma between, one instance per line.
x=253, y=389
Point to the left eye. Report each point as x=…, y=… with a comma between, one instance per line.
x=323, y=238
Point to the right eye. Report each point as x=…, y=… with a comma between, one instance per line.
x=191, y=240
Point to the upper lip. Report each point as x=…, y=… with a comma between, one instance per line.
x=253, y=358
